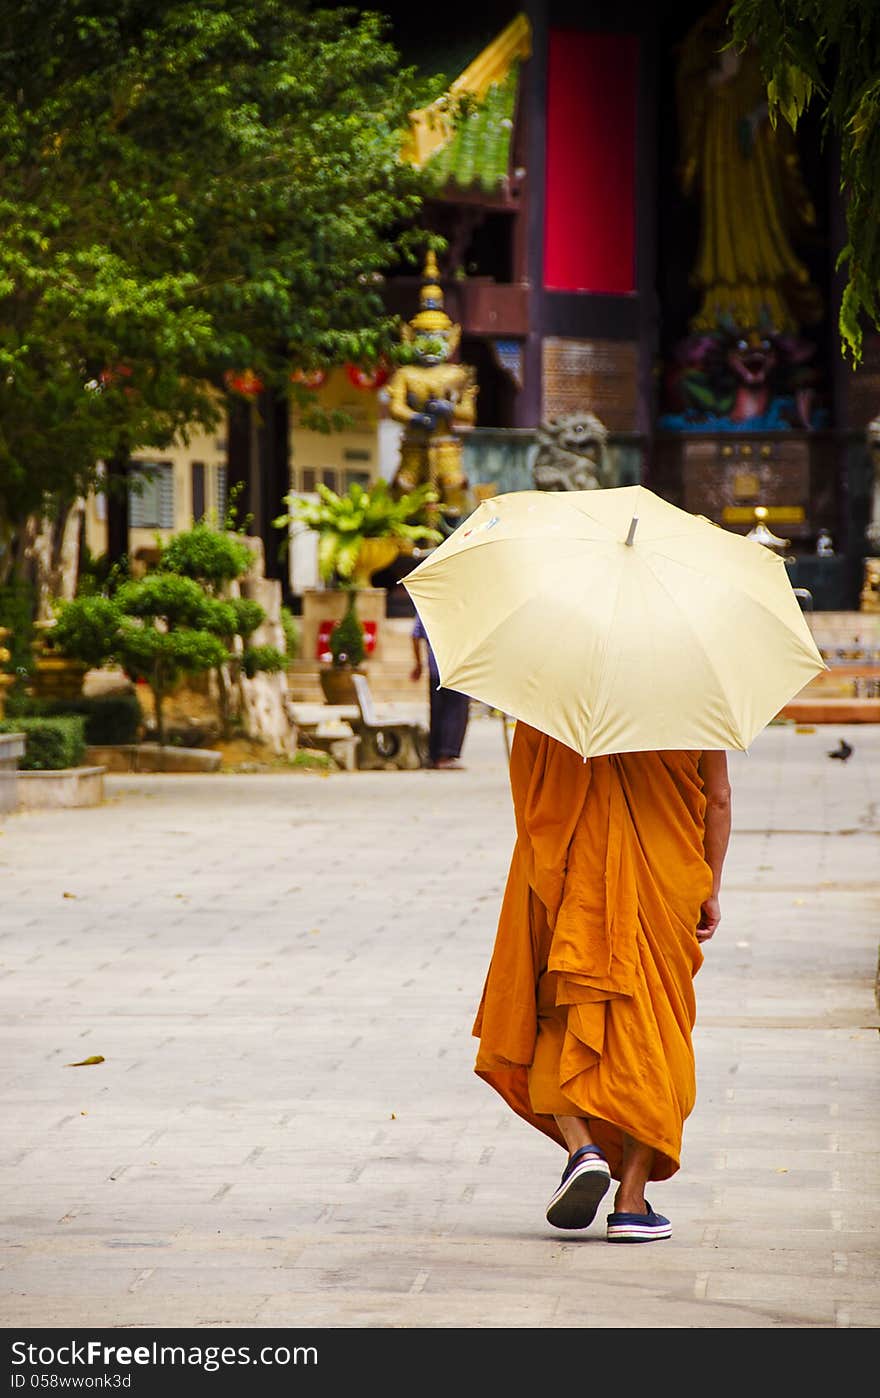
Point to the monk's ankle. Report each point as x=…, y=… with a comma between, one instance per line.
x=629, y=1206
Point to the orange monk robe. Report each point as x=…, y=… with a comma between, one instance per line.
x=588, y=1004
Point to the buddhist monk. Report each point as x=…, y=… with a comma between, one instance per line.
x=588, y=1006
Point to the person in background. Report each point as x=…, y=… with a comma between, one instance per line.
x=449, y=710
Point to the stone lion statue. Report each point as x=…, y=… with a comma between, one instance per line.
x=571, y=453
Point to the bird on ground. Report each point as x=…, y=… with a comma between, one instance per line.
x=842, y=751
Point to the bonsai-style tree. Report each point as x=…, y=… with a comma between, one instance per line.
x=175, y=621
x=215, y=559
x=169, y=629
x=157, y=628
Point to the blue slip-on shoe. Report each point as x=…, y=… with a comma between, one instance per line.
x=637, y=1228
x=585, y=1180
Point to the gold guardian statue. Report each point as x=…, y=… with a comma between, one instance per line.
x=436, y=401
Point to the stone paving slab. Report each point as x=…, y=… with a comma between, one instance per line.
x=281, y=972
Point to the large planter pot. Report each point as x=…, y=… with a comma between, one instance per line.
x=336, y=684
x=374, y=555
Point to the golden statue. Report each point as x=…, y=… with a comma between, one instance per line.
x=436, y=401
x=753, y=200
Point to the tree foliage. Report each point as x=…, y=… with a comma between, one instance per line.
x=187, y=187
x=211, y=556
x=827, y=52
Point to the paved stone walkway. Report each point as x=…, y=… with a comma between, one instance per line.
x=281, y=971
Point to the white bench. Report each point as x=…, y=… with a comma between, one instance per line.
x=382, y=742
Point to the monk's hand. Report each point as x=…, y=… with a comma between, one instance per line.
x=710, y=916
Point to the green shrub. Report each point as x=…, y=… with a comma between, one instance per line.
x=210, y=556
x=51, y=744
x=177, y=600
x=109, y=718
x=267, y=659
x=220, y=617
x=161, y=657
x=248, y=615
x=86, y=629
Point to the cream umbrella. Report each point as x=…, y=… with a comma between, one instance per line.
x=614, y=621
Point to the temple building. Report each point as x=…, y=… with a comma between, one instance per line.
x=638, y=265
x=629, y=240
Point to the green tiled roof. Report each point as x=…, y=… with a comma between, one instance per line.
x=478, y=155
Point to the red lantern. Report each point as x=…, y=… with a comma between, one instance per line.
x=111, y=375
x=244, y=382
x=368, y=378
x=309, y=378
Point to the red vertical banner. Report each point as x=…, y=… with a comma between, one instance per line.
x=592, y=92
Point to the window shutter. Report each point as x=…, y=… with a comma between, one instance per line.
x=151, y=499
x=166, y=496
x=221, y=495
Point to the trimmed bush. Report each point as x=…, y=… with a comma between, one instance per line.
x=51, y=744
x=86, y=630
x=210, y=556
x=267, y=659
x=109, y=719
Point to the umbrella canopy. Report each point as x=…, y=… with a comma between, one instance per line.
x=614, y=621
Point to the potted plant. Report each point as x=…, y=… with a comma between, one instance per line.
x=348, y=649
x=361, y=532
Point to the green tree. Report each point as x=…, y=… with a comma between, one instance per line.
x=216, y=560
x=168, y=629
x=187, y=187
x=827, y=53
x=213, y=557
